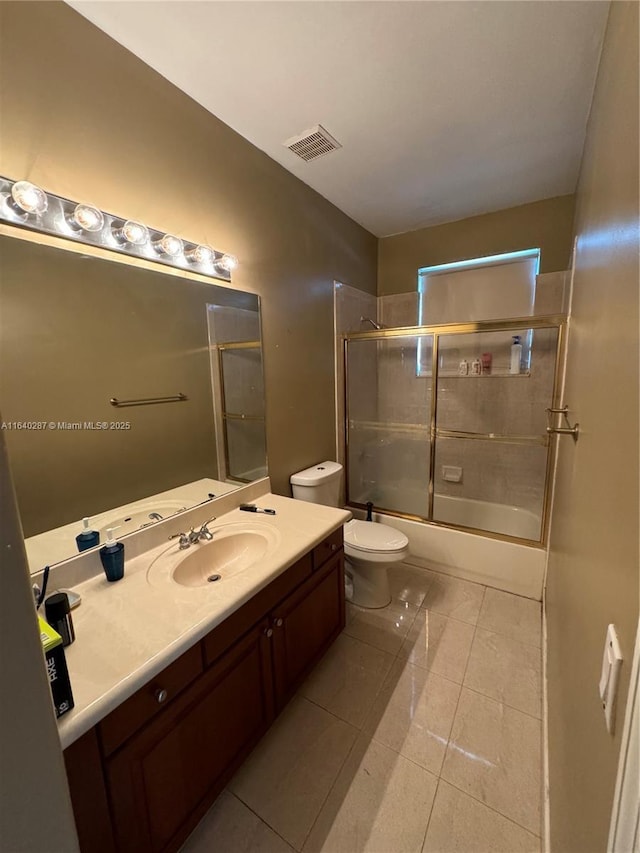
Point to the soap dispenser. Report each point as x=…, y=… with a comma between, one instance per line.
x=112, y=557
x=87, y=538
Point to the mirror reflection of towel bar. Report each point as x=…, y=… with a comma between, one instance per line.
x=149, y=401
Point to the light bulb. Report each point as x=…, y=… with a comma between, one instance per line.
x=227, y=262
x=168, y=245
x=132, y=232
x=201, y=255
x=86, y=218
x=28, y=198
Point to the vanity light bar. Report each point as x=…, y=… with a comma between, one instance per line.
x=26, y=205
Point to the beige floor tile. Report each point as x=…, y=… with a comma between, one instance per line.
x=229, y=825
x=380, y=804
x=289, y=774
x=460, y=824
x=512, y=615
x=348, y=678
x=506, y=670
x=494, y=755
x=454, y=597
x=439, y=644
x=413, y=714
x=385, y=628
x=409, y=583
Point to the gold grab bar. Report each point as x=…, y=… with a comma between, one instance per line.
x=149, y=401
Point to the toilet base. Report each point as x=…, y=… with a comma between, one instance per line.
x=370, y=584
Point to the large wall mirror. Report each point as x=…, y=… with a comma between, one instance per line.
x=181, y=356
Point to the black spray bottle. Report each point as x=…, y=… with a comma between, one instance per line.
x=112, y=556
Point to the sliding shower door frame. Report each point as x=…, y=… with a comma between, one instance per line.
x=553, y=321
x=226, y=416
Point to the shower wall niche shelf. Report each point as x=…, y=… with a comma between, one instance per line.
x=450, y=374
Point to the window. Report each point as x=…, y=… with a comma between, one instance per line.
x=497, y=287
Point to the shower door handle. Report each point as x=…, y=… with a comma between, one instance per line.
x=566, y=430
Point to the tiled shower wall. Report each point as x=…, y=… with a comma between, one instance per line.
x=392, y=463
x=512, y=474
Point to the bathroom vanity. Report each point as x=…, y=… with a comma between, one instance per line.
x=144, y=774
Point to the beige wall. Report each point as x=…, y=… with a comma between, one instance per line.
x=85, y=119
x=542, y=224
x=593, y=568
x=35, y=810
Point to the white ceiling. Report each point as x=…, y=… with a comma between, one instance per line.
x=444, y=109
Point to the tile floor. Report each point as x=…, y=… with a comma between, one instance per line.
x=419, y=731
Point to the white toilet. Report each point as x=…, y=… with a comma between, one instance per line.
x=369, y=547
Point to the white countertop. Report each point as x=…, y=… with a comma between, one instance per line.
x=129, y=631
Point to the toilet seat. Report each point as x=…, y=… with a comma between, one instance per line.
x=369, y=537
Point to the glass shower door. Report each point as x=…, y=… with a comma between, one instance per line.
x=491, y=445
x=242, y=387
x=388, y=421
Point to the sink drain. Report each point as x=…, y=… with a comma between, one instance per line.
x=213, y=578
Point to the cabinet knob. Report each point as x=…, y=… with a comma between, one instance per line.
x=268, y=632
x=161, y=695
x=334, y=547
x=278, y=623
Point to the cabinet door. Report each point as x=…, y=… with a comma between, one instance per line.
x=83, y=764
x=163, y=780
x=305, y=625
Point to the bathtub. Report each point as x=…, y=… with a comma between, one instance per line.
x=509, y=566
x=465, y=512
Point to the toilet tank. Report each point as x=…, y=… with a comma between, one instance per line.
x=319, y=484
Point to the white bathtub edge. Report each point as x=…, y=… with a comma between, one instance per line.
x=503, y=565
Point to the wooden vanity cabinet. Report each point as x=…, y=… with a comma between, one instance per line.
x=155, y=771
x=85, y=777
x=305, y=625
x=166, y=777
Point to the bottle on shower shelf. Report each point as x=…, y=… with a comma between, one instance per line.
x=516, y=355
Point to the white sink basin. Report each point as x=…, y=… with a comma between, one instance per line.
x=234, y=549
x=139, y=517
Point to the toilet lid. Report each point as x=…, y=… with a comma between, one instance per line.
x=372, y=536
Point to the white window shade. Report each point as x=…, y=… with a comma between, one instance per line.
x=478, y=290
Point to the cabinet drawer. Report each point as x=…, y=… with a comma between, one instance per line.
x=148, y=701
x=327, y=548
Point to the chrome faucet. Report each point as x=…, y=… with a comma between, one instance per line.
x=155, y=516
x=194, y=536
x=203, y=533
x=184, y=540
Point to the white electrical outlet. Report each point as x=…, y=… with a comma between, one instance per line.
x=611, y=661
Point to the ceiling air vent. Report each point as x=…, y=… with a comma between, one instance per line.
x=313, y=143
